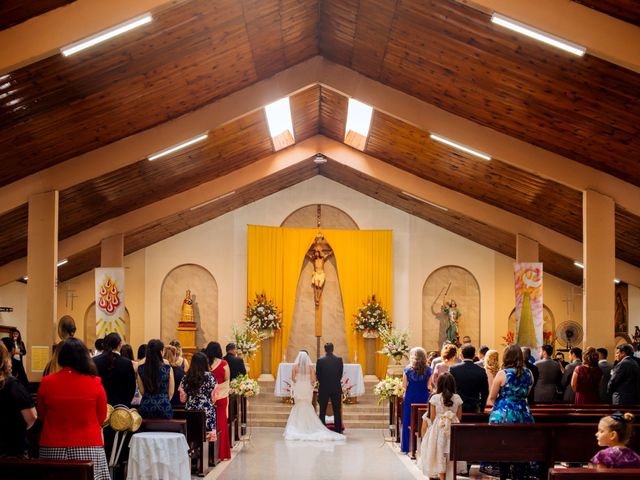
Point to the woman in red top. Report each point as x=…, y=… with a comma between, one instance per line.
x=220, y=370
x=586, y=379
x=73, y=404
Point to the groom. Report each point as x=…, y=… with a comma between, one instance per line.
x=329, y=373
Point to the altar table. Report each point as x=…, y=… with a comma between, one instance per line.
x=352, y=372
x=159, y=456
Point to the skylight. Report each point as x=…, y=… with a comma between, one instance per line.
x=358, y=123
x=280, y=124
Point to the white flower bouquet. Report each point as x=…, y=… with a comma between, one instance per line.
x=371, y=317
x=394, y=343
x=262, y=314
x=387, y=388
x=244, y=386
x=247, y=341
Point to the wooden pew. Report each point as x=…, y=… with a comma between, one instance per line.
x=196, y=437
x=14, y=469
x=593, y=474
x=162, y=425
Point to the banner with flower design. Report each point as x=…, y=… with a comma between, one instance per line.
x=529, y=306
x=110, y=309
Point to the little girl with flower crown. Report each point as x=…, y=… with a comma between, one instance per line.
x=614, y=432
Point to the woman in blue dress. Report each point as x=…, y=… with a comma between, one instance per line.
x=415, y=380
x=156, y=383
x=508, y=395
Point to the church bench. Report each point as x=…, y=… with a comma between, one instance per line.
x=15, y=469
x=592, y=473
x=196, y=437
x=162, y=425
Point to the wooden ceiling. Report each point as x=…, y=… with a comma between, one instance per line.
x=625, y=10
x=440, y=51
x=13, y=12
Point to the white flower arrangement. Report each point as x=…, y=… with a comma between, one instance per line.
x=244, y=386
x=262, y=314
x=387, y=388
x=247, y=341
x=371, y=317
x=394, y=343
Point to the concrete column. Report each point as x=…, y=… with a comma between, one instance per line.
x=42, y=259
x=526, y=249
x=599, y=258
x=112, y=251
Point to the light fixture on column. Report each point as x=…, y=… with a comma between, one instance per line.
x=280, y=124
x=616, y=280
x=578, y=264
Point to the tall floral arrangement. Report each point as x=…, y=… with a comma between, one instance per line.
x=247, y=341
x=371, y=317
x=395, y=344
x=262, y=314
x=387, y=388
x=244, y=386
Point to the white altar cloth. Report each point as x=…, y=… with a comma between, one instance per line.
x=352, y=372
x=159, y=455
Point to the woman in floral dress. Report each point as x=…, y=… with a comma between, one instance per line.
x=198, y=389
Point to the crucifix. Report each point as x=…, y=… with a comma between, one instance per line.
x=318, y=253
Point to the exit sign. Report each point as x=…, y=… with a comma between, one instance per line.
x=6, y=309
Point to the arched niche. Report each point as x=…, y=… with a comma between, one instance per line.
x=204, y=293
x=464, y=289
x=90, y=325
x=302, y=335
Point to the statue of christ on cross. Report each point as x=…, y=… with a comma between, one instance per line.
x=319, y=252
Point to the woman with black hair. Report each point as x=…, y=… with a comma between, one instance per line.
x=222, y=373
x=73, y=404
x=197, y=390
x=156, y=383
x=116, y=371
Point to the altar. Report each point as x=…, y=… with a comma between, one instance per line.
x=352, y=373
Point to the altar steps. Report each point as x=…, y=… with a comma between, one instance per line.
x=267, y=410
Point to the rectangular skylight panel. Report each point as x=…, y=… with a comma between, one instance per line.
x=359, y=117
x=280, y=124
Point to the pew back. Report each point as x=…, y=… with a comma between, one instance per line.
x=14, y=469
x=593, y=474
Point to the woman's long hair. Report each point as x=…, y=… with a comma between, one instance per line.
x=418, y=359
x=590, y=357
x=449, y=351
x=111, y=343
x=152, y=364
x=447, y=388
x=213, y=351
x=127, y=352
x=74, y=354
x=194, y=378
x=491, y=361
x=5, y=364
x=513, y=358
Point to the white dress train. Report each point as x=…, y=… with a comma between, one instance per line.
x=303, y=423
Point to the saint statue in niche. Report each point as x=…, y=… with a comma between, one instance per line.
x=318, y=256
x=450, y=309
x=186, y=315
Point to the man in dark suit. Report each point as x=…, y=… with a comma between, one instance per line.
x=624, y=385
x=118, y=376
x=549, y=376
x=329, y=371
x=236, y=364
x=529, y=363
x=471, y=381
x=575, y=355
x=605, y=368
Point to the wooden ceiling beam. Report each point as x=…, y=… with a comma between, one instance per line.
x=605, y=37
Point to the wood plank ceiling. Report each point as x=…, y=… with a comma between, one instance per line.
x=13, y=12
x=196, y=52
x=625, y=10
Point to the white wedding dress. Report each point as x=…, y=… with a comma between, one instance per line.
x=303, y=423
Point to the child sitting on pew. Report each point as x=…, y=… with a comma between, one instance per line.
x=614, y=432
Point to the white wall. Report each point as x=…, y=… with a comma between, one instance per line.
x=14, y=295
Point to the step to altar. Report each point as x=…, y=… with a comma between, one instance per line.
x=267, y=410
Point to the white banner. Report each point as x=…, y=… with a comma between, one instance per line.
x=110, y=310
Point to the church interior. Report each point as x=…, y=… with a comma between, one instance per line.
x=154, y=152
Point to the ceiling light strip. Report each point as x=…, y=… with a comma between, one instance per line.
x=459, y=146
x=539, y=35
x=106, y=35
x=204, y=204
x=578, y=264
x=420, y=199
x=179, y=146
x=63, y=262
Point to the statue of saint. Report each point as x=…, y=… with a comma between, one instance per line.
x=450, y=309
x=318, y=257
x=186, y=315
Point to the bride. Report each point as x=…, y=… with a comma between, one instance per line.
x=303, y=423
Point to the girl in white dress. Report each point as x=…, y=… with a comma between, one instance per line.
x=445, y=408
x=303, y=422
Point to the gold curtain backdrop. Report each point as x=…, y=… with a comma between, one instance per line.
x=275, y=256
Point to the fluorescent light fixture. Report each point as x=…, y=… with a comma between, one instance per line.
x=204, y=204
x=539, y=35
x=280, y=124
x=25, y=278
x=106, y=35
x=420, y=199
x=63, y=262
x=179, y=146
x=578, y=264
x=616, y=280
x=459, y=146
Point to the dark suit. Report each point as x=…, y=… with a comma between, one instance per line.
x=329, y=373
x=624, y=384
x=569, y=395
x=536, y=374
x=118, y=381
x=605, y=368
x=549, y=380
x=17, y=370
x=236, y=365
x=472, y=385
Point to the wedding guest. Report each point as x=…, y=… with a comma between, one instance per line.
x=142, y=351
x=550, y=377
x=614, y=432
x=220, y=369
x=99, y=347
x=180, y=360
x=529, y=363
x=171, y=356
x=17, y=368
x=471, y=380
x=482, y=351
x=560, y=359
x=449, y=357
x=491, y=366
x=117, y=373
x=624, y=385
x=198, y=389
x=236, y=364
x=445, y=408
x=156, y=383
x=415, y=380
x=21, y=348
x=73, y=404
x=67, y=329
x=575, y=355
x=127, y=352
x=18, y=412
x=586, y=379
x=605, y=368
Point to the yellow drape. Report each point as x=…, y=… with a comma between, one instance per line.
x=275, y=256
